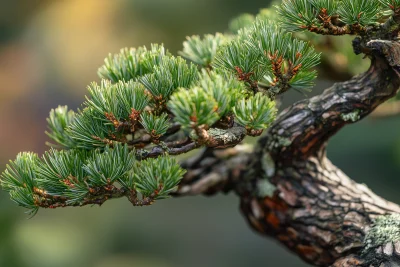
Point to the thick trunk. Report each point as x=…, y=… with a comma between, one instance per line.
x=290, y=191
x=315, y=209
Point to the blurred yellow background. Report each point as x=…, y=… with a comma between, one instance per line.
x=49, y=52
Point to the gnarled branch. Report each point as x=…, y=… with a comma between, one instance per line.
x=290, y=190
x=316, y=210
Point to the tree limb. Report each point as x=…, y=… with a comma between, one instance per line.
x=214, y=171
x=309, y=205
x=316, y=210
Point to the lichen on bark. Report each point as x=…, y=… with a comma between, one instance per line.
x=386, y=229
x=352, y=116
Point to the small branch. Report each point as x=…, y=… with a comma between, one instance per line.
x=221, y=138
x=145, y=201
x=215, y=138
x=246, y=77
x=332, y=25
x=178, y=143
x=174, y=128
x=214, y=171
x=282, y=79
x=140, y=142
x=330, y=29
x=96, y=196
x=159, y=150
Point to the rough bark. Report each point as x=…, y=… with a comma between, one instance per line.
x=288, y=188
x=316, y=210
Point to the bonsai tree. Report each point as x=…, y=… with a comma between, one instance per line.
x=151, y=106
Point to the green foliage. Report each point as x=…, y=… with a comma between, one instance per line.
x=266, y=53
x=60, y=173
x=237, y=58
x=193, y=107
x=130, y=96
x=106, y=167
x=224, y=88
x=131, y=63
x=242, y=21
x=392, y=4
x=106, y=145
x=268, y=39
x=71, y=177
x=157, y=177
x=94, y=126
x=59, y=119
x=89, y=131
x=362, y=12
x=155, y=125
x=117, y=99
x=257, y=112
x=103, y=99
x=170, y=74
x=74, y=176
x=298, y=15
x=303, y=81
x=19, y=179
x=202, y=51
x=330, y=6
x=20, y=173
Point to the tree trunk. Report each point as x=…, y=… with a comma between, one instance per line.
x=290, y=191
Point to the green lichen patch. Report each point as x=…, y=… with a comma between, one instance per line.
x=265, y=188
x=352, y=116
x=386, y=229
x=279, y=142
x=283, y=141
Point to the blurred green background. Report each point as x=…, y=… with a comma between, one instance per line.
x=49, y=51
